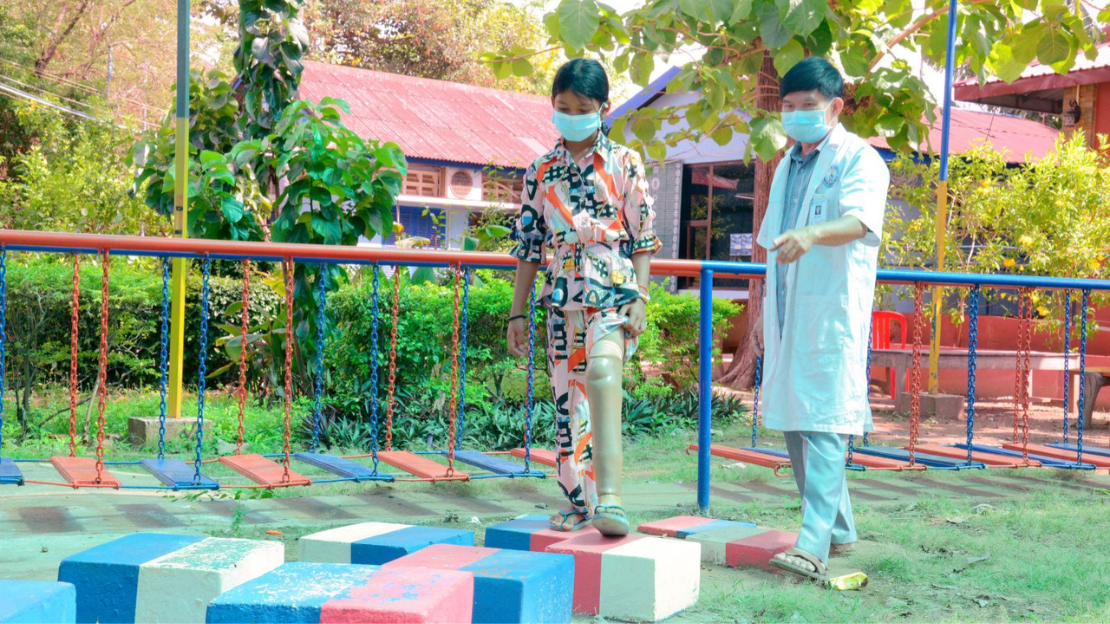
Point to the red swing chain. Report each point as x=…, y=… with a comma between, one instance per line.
x=1019, y=371
x=915, y=368
x=102, y=376
x=244, y=318
x=75, y=307
x=287, y=268
x=454, y=403
x=1027, y=371
x=392, y=359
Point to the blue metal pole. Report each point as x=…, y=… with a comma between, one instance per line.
x=705, y=387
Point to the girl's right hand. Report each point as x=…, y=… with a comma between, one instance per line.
x=517, y=337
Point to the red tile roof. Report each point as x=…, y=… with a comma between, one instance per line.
x=435, y=119
x=1017, y=138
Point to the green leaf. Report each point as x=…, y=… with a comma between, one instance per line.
x=788, y=56
x=331, y=231
x=578, y=21
x=720, y=10
x=1008, y=63
x=855, y=62
x=232, y=209
x=742, y=10
x=657, y=151
x=1053, y=48
x=771, y=28
x=722, y=136
x=768, y=137
x=644, y=129
x=820, y=40
x=802, y=16
x=889, y=125
x=522, y=67
x=211, y=159
x=642, y=66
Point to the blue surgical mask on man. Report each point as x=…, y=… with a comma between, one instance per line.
x=806, y=126
x=576, y=127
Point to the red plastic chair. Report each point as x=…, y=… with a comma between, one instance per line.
x=880, y=339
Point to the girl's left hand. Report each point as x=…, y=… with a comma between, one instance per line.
x=637, y=317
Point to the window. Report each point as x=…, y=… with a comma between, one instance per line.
x=419, y=224
x=424, y=181
x=717, y=214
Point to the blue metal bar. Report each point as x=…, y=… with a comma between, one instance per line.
x=535, y=475
x=949, y=70
x=705, y=386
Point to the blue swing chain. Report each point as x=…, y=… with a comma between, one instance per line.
x=758, y=385
x=972, y=353
x=867, y=393
x=163, y=358
x=375, y=314
x=1082, y=375
x=529, y=402
x=3, y=328
x=202, y=364
x=462, y=358
x=1067, y=360
x=318, y=373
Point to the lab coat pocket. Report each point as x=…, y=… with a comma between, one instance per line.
x=823, y=324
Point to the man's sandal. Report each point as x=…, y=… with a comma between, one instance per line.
x=819, y=573
x=611, y=520
x=562, y=524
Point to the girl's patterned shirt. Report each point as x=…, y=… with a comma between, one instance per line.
x=594, y=215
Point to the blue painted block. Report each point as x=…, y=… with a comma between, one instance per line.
x=396, y=544
x=491, y=463
x=177, y=474
x=107, y=576
x=517, y=534
x=338, y=466
x=715, y=525
x=293, y=593
x=9, y=472
x=514, y=586
x=37, y=602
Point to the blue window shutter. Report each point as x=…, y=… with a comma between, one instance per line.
x=416, y=223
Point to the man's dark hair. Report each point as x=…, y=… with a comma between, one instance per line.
x=584, y=77
x=812, y=73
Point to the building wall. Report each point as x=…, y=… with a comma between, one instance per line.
x=666, y=190
x=1088, y=96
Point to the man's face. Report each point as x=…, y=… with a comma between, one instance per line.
x=813, y=100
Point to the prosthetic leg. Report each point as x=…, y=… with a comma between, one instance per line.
x=604, y=377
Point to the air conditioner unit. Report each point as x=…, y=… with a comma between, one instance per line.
x=464, y=184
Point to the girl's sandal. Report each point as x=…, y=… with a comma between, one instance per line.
x=818, y=573
x=611, y=520
x=583, y=522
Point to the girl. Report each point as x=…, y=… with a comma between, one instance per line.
x=587, y=201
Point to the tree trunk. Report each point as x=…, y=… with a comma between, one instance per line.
x=741, y=374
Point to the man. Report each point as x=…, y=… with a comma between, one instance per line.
x=822, y=230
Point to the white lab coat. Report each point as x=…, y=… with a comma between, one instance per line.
x=814, y=376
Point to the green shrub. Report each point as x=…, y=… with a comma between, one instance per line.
x=671, y=339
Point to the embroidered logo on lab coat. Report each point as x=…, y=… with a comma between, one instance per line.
x=834, y=173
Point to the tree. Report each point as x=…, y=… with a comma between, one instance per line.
x=885, y=96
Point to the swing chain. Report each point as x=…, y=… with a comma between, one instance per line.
x=392, y=358
x=454, y=403
x=1019, y=369
x=3, y=328
x=1028, y=372
x=758, y=384
x=318, y=376
x=462, y=356
x=1082, y=374
x=288, y=268
x=202, y=362
x=529, y=403
x=1067, y=361
x=972, y=364
x=374, y=321
x=75, y=306
x=915, y=390
x=244, y=346
x=102, y=373
x=163, y=358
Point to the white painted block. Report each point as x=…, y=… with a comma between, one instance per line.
x=178, y=587
x=334, y=545
x=650, y=579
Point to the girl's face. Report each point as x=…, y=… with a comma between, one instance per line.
x=570, y=103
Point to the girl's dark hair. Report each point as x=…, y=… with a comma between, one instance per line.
x=585, y=77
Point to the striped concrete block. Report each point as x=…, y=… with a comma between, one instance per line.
x=294, y=592
x=163, y=578
x=375, y=543
x=634, y=577
x=412, y=596
x=685, y=526
x=725, y=542
x=714, y=544
x=509, y=586
x=756, y=551
x=37, y=602
x=532, y=533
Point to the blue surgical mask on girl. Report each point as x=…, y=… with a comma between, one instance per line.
x=576, y=127
x=806, y=126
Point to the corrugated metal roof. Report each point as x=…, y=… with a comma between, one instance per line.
x=1017, y=138
x=1036, y=69
x=435, y=119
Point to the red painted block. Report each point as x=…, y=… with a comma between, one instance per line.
x=756, y=551
x=587, y=551
x=540, y=456
x=442, y=557
x=81, y=472
x=263, y=471
x=671, y=526
x=416, y=596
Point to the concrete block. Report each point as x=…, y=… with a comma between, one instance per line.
x=509, y=585
x=532, y=533
x=37, y=602
x=294, y=592
x=669, y=527
x=412, y=596
x=106, y=577
x=178, y=586
x=375, y=543
x=143, y=431
x=714, y=544
x=756, y=551
x=632, y=577
x=946, y=407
